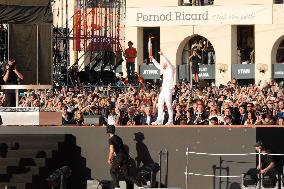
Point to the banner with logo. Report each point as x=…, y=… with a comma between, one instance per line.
x=278, y=71
x=206, y=72
x=243, y=71
x=199, y=15
x=150, y=71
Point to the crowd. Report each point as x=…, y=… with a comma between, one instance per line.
x=229, y=104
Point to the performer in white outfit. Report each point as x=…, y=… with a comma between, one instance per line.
x=168, y=71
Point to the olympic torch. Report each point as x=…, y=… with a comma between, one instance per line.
x=150, y=47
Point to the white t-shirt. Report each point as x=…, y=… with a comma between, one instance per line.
x=168, y=74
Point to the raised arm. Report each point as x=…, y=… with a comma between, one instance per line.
x=168, y=61
x=156, y=63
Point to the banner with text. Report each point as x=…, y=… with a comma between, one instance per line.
x=243, y=71
x=150, y=71
x=199, y=15
x=278, y=71
x=206, y=72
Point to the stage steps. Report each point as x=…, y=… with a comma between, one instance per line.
x=22, y=156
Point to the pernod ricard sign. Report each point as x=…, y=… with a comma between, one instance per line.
x=197, y=15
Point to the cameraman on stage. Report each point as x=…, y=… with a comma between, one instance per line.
x=11, y=77
x=270, y=165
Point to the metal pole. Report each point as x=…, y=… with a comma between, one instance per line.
x=37, y=46
x=8, y=46
x=190, y=74
x=259, y=164
x=214, y=178
x=227, y=185
x=17, y=97
x=220, y=173
x=67, y=42
x=160, y=172
x=186, y=169
x=167, y=168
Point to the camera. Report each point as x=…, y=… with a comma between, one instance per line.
x=258, y=113
x=11, y=64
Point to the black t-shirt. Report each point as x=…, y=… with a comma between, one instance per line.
x=117, y=142
x=266, y=160
x=195, y=59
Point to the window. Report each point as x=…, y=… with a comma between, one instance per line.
x=196, y=2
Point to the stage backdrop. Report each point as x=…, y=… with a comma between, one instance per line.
x=30, y=38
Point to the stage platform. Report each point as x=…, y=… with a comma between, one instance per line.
x=93, y=143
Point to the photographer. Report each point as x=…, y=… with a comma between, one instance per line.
x=259, y=118
x=11, y=77
x=195, y=59
x=12, y=74
x=199, y=118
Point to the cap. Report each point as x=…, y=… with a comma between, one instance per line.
x=110, y=129
x=258, y=144
x=139, y=136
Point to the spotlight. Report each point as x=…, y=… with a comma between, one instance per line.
x=61, y=175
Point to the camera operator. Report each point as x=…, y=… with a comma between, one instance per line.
x=259, y=118
x=12, y=73
x=11, y=77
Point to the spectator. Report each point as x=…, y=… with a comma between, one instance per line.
x=250, y=119
x=147, y=118
x=214, y=113
x=214, y=121
x=130, y=55
x=227, y=103
x=243, y=115
x=200, y=117
x=280, y=121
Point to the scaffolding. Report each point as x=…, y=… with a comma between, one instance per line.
x=96, y=29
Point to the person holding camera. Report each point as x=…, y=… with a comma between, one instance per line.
x=259, y=118
x=11, y=77
x=199, y=117
x=12, y=74
x=195, y=59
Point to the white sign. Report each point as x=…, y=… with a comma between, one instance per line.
x=199, y=15
x=150, y=72
x=243, y=71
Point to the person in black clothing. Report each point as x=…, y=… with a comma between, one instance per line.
x=195, y=59
x=118, y=158
x=269, y=165
x=11, y=76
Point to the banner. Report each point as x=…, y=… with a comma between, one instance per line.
x=278, y=71
x=206, y=72
x=199, y=15
x=243, y=71
x=150, y=71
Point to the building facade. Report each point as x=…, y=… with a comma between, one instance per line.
x=246, y=37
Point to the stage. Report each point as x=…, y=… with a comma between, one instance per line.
x=93, y=143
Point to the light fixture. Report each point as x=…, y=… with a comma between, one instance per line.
x=262, y=68
x=222, y=67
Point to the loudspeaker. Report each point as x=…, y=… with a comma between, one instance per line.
x=108, y=77
x=92, y=120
